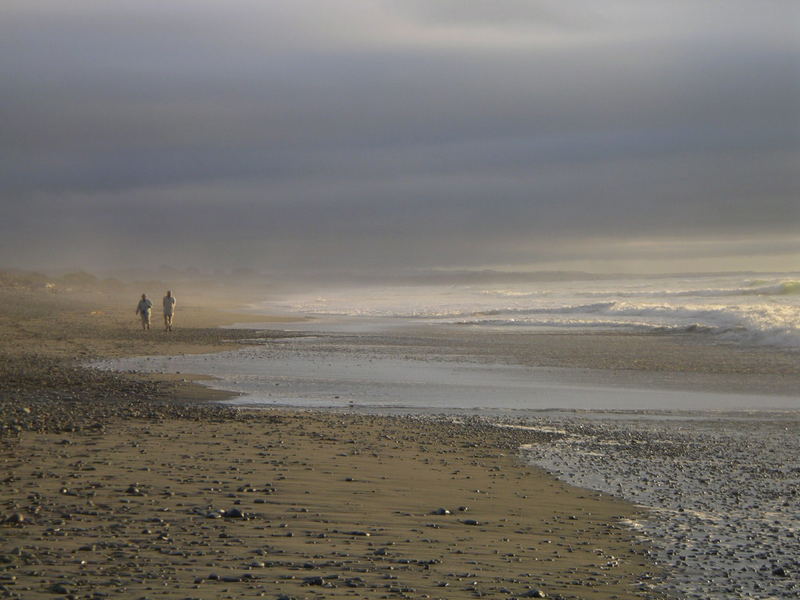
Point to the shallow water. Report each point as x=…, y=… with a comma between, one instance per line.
x=329, y=373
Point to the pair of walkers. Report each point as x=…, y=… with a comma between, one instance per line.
x=145, y=308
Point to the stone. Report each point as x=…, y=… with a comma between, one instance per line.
x=16, y=519
x=134, y=491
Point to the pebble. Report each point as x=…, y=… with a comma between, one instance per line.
x=16, y=519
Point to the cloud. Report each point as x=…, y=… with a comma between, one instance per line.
x=388, y=133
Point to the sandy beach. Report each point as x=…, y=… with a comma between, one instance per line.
x=130, y=486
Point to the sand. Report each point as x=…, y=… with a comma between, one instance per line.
x=327, y=506
x=123, y=486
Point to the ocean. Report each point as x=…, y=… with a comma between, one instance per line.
x=744, y=309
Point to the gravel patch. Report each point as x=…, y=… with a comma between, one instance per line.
x=725, y=516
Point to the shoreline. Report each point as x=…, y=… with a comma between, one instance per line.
x=128, y=481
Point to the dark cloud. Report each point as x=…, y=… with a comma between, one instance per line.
x=392, y=134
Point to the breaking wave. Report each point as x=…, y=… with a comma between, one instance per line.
x=789, y=287
x=597, y=307
x=784, y=288
x=750, y=324
x=587, y=324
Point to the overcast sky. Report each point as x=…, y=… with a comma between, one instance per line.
x=393, y=134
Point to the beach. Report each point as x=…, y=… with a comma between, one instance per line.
x=695, y=421
x=133, y=485
x=330, y=456
x=421, y=299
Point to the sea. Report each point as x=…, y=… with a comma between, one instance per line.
x=738, y=308
x=713, y=454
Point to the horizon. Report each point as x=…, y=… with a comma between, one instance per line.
x=253, y=280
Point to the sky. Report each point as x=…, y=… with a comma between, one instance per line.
x=398, y=135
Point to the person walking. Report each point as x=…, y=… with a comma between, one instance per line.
x=169, y=310
x=143, y=309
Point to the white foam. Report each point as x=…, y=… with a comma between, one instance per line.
x=540, y=428
x=736, y=309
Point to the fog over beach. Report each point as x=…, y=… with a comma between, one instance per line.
x=473, y=298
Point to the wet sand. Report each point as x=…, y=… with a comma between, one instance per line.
x=120, y=486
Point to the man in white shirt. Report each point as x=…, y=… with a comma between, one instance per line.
x=169, y=310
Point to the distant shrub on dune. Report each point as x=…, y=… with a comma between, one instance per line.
x=80, y=279
x=25, y=280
